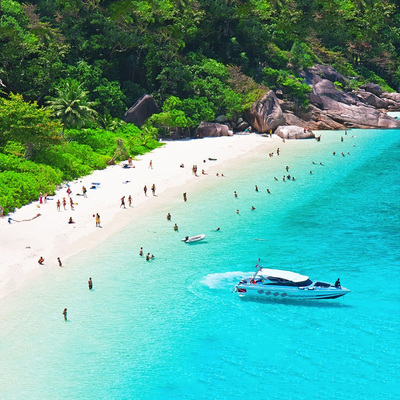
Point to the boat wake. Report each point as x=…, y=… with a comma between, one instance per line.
x=223, y=280
x=215, y=287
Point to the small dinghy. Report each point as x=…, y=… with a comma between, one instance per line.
x=195, y=238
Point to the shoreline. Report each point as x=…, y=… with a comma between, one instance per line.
x=51, y=236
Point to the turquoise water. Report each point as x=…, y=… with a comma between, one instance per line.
x=172, y=329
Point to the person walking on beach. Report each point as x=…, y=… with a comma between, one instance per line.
x=153, y=189
x=1, y=212
x=84, y=191
x=64, y=203
x=65, y=314
x=90, y=284
x=59, y=262
x=71, y=203
x=145, y=190
x=41, y=261
x=184, y=197
x=98, y=220
x=58, y=205
x=130, y=201
x=122, y=202
x=151, y=164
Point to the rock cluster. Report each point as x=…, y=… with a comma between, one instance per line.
x=330, y=108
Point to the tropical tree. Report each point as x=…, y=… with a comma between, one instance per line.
x=71, y=105
x=26, y=123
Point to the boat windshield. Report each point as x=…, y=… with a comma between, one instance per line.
x=322, y=284
x=284, y=282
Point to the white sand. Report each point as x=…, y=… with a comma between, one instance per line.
x=50, y=235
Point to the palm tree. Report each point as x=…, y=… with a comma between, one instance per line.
x=71, y=105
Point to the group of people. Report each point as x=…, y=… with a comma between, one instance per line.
x=153, y=189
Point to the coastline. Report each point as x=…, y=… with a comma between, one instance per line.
x=50, y=235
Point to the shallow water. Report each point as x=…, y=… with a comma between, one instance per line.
x=172, y=329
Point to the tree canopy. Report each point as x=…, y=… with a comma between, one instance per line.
x=69, y=69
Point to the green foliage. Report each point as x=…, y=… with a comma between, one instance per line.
x=71, y=105
x=73, y=159
x=197, y=58
x=105, y=96
x=27, y=124
x=294, y=87
x=371, y=76
x=178, y=114
x=338, y=85
x=21, y=181
x=287, y=82
x=301, y=56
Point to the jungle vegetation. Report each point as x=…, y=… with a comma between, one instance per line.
x=69, y=69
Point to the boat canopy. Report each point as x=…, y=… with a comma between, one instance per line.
x=277, y=273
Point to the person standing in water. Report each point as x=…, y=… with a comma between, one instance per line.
x=65, y=314
x=90, y=284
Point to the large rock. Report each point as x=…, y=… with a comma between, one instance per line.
x=393, y=100
x=370, y=99
x=332, y=108
x=373, y=88
x=358, y=115
x=144, y=108
x=266, y=114
x=294, y=132
x=326, y=89
x=211, y=129
x=318, y=72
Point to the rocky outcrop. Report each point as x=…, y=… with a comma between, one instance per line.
x=294, y=132
x=371, y=99
x=266, y=114
x=144, y=108
x=373, y=88
x=211, y=129
x=332, y=108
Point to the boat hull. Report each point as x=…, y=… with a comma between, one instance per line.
x=270, y=291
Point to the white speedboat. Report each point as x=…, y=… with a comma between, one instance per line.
x=275, y=283
x=195, y=238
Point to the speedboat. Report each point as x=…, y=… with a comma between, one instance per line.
x=275, y=283
x=195, y=238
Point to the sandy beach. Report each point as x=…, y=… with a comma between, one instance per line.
x=50, y=236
